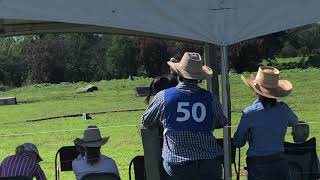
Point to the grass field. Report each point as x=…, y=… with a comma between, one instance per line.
x=45, y=100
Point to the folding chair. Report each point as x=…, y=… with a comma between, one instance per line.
x=66, y=155
x=101, y=176
x=138, y=168
x=303, y=160
x=16, y=178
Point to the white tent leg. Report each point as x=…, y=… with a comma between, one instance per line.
x=226, y=108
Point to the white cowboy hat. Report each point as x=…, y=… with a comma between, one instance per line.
x=92, y=138
x=267, y=83
x=191, y=67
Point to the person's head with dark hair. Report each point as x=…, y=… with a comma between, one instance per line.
x=79, y=148
x=91, y=144
x=267, y=102
x=195, y=81
x=92, y=154
x=300, y=132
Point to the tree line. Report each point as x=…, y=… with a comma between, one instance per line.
x=55, y=58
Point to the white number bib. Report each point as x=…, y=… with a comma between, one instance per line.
x=186, y=113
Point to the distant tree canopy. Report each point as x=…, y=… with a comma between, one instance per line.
x=55, y=58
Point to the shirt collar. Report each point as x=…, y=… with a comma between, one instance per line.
x=187, y=83
x=256, y=101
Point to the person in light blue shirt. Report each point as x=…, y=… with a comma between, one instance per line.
x=92, y=161
x=264, y=125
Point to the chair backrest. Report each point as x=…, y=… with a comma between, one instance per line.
x=138, y=168
x=302, y=159
x=101, y=176
x=16, y=178
x=65, y=154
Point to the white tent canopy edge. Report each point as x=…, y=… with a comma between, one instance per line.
x=221, y=22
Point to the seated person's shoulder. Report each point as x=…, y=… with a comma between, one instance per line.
x=107, y=159
x=7, y=158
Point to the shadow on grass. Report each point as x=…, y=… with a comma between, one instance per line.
x=27, y=101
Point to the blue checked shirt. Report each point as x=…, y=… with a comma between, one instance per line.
x=180, y=146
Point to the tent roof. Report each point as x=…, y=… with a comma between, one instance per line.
x=222, y=22
x=15, y=27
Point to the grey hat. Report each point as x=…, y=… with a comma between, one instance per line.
x=31, y=148
x=92, y=138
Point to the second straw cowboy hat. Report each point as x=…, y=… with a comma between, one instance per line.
x=191, y=67
x=92, y=138
x=267, y=83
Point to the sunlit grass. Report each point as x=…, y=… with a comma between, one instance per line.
x=45, y=100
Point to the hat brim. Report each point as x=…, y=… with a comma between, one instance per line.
x=98, y=143
x=205, y=72
x=35, y=151
x=283, y=89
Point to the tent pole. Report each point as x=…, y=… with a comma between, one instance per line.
x=1, y=26
x=210, y=51
x=226, y=103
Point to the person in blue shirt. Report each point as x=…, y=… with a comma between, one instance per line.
x=188, y=114
x=264, y=125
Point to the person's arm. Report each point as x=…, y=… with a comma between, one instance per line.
x=115, y=168
x=220, y=119
x=40, y=174
x=241, y=135
x=292, y=117
x=75, y=167
x=153, y=114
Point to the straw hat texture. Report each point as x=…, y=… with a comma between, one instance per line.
x=267, y=83
x=191, y=67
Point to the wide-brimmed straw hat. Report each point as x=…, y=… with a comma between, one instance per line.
x=91, y=138
x=191, y=67
x=267, y=83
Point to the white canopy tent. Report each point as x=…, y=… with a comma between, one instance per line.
x=221, y=22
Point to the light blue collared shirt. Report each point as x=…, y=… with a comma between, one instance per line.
x=104, y=165
x=264, y=129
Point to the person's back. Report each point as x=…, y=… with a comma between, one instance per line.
x=181, y=136
x=23, y=163
x=267, y=127
x=105, y=165
x=188, y=115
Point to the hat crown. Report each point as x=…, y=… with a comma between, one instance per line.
x=192, y=62
x=30, y=147
x=268, y=77
x=92, y=134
